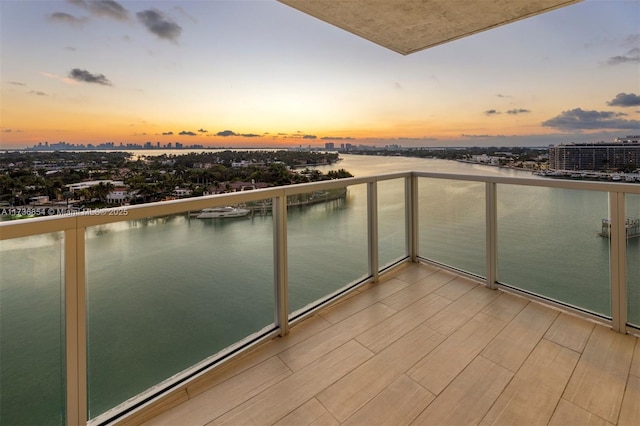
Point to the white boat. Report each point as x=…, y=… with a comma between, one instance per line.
x=220, y=212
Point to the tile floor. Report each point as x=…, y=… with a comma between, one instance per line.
x=428, y=347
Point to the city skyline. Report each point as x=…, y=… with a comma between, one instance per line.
x=259, y=73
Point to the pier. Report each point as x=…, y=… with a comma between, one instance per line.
x=632, y=228
x=300, y=200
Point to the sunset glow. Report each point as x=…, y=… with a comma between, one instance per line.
x=258, y=73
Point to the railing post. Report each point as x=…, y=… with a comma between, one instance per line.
x=75, y=306
x=281, y=279
x=491, y=234
x=372, y=221
x=618, y=261
x=411, y=215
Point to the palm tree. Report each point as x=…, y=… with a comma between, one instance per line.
x=102, y=190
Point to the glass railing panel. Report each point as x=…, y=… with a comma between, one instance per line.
x=633, y=260
x=549, y=245
x=327, y=243
x=166, y=293
x=32, y=335
x=452, y=224
x=392, y=239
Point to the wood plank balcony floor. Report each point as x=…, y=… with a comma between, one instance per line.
x=424, y=346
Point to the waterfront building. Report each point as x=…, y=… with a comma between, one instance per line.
x=620, y=154
x=119, y=195
x=90, y=183
x=181, y=192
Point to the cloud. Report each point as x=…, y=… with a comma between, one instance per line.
x=632, y=39
x=482, y=136
x=625, y=100
x=6, y=130
x=38, y=93
x=160, y=25
x=186, y=133
x=65, y=18
x=202, y=130
x=103, y=8
x=309, y=137
x=503, y=96
x=337, y=138
x=17, y=83
x=514, y=111
x=85, y=76
x=167, y=133
x=632, y=56
x=109, y=9
x=578, y=119
x=226, y=133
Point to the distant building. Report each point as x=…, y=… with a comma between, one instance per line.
x=616, y=155
x=88, y=184
x=39, y=200
x=247, y=186
x=245, y=163
x=329, y=146
x=119, y=195
x=181, y=192
x=486, y=159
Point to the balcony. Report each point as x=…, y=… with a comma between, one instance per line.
x=453, y=291
x=425, y=346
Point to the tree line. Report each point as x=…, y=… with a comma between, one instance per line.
x=24, y=175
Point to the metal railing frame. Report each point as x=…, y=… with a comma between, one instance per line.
x=74, y=227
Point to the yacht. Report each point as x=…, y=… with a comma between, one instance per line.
x=220, y=212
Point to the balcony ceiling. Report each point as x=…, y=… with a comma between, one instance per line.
x=408, y=26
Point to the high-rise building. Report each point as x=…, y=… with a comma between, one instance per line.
x=621, y=154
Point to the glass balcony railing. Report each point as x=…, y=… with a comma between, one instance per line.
x=549, y=245
x=32, y=333
x=102, y=312
x=633, y=260
x=452, y=223
x=165, y=293
x=392, y=221
x=321, y=227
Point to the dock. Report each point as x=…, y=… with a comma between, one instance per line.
x=632, y=228
x=264, y=207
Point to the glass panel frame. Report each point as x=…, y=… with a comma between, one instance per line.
x=327, y=245
x=32, y=330
x=549, y=245
x=452, y=223
x=166, y=293
x=633, y=261
x=392, y=226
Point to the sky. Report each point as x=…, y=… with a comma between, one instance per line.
x=260, y=74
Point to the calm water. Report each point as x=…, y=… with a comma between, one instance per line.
x=166, y=293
